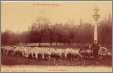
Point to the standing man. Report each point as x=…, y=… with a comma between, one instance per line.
x=95, y=48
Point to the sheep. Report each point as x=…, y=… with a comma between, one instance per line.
x=45, y=52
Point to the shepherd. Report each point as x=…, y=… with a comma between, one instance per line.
x=95, y=48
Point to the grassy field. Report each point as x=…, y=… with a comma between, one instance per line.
x=11, y=63
x=19, y=60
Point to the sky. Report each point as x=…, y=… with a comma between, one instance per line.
x=18, y=16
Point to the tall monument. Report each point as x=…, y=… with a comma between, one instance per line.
x=96, y=17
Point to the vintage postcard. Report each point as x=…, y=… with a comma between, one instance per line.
x=56, y=36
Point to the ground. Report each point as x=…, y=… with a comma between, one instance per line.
x=19, y=60
x=11, y=63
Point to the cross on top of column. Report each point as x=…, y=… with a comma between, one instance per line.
x=96, y=10
x=96, y=14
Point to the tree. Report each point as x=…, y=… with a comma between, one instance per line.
x=105, y=31
x=9, y=38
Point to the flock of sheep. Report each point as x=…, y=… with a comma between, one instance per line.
x=48, y=52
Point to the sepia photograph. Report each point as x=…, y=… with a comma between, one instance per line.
x=56, y=36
